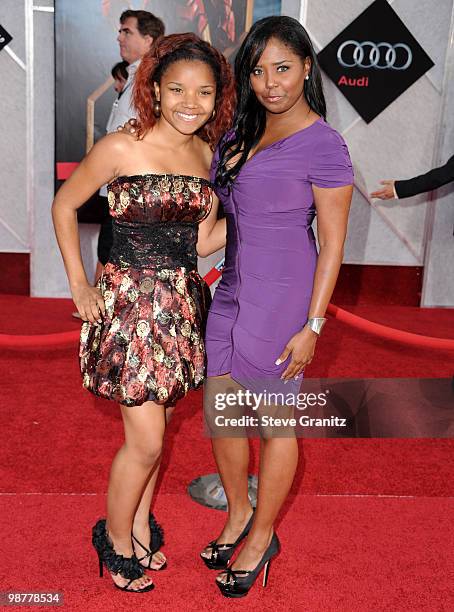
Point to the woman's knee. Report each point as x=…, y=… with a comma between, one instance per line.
x=144, y=432
x=146, y=452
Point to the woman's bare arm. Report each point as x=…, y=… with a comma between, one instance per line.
x=212, y=232
x=96, y=169
x=333, y=205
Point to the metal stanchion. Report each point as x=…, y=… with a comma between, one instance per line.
x=208, y=491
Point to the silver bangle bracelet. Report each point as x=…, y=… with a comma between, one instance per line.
x=316, y=324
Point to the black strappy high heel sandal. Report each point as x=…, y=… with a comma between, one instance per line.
x=128, y=567
x=156, y=541
x=222, y=553
x=239, y=582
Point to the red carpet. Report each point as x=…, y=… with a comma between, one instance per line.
x=368, y=527
x=338, y=554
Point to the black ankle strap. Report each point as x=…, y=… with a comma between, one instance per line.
x=140, y=544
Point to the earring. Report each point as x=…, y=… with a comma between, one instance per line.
x=306, y=78
x=157, y=108
x=213, y=114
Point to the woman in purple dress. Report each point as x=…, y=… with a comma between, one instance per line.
x=279, y=166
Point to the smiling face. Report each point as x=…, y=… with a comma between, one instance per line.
x=278, y=78
x=187, y=94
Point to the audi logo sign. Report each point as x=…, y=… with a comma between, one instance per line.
x=374, y=55
x=374, y=60
x=5, y=38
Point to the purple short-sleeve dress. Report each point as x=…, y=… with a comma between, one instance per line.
x=264, y=295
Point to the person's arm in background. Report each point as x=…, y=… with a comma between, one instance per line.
x=419, y=184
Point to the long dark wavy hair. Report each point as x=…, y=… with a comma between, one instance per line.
x=250, y=116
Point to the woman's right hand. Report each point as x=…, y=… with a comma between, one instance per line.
x=130, y=127
x=89, y=303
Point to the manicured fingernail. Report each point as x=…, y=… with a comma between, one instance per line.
x=277, y=362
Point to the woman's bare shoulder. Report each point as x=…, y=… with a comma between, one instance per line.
x=205, y=151
x=117, y=143
x=109, y=153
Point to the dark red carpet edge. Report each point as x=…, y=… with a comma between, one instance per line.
x=368, y=525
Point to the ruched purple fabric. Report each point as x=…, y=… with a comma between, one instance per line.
x=265, y=291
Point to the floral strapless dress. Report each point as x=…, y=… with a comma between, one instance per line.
x=150, y=344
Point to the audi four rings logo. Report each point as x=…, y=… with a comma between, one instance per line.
x=374, y=55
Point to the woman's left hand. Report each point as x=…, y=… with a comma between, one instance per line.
x=301, y=346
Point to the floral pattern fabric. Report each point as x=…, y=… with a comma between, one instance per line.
x=150, y=344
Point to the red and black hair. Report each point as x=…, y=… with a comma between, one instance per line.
x=173, y=48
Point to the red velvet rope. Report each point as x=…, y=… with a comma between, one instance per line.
x=40, y=341
x=389, y=333
x=67, y=339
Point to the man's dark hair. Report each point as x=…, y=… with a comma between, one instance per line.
x=120, y=70
x=147, y=23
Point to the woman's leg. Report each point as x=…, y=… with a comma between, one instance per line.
x=232, y=460
x=141, y=527
x=144, y=431
x=278, y=462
